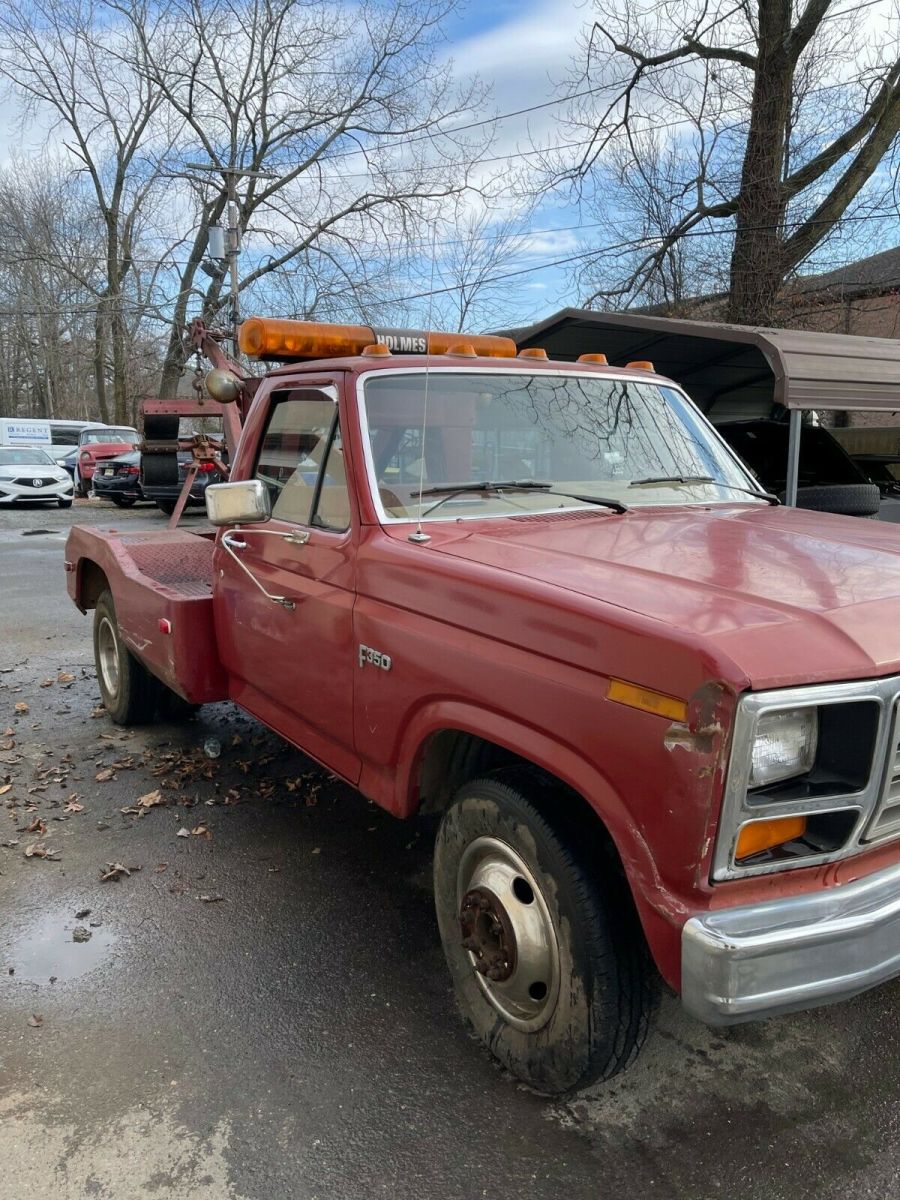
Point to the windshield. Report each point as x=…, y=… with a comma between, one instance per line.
x=27, y=456
x=109, y=436
x=634, y=442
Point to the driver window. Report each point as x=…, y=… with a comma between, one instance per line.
x=301, y=460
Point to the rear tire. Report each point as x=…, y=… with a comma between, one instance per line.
x=572, y=990
x=129, y=692
x=123, y=501
x=166, y=506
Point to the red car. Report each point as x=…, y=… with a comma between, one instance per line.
x=96, y=445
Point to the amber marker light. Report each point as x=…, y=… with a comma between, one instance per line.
x=641, y=364
x=764, y=835
x=647, y=700
x=533, y=352
x=600, y=359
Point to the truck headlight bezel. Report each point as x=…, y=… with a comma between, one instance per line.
x=820, y=753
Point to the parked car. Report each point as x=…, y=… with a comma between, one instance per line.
x=69, y=462
x=119, y=480
x=829, y=479
x=98, y=445
x=29, y=473
x=165, y=495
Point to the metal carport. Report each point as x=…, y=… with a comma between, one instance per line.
x=733, y=369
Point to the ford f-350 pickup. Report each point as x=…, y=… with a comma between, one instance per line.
x=657, y=712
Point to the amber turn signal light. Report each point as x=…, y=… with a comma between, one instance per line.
x=641, y=364
x=764, y=835
x=600, y=359
x=647, y=700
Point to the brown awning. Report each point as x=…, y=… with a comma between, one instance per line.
x=736, y=363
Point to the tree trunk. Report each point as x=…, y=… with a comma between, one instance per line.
x=99, y=357
x=757, y=267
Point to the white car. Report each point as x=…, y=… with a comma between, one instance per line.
x=29, y=473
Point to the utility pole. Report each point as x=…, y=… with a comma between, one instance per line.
x=233, y=243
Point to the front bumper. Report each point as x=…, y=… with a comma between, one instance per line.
x=11, y=492
x=743, y=964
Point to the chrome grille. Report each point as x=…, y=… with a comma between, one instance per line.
x=886, y=819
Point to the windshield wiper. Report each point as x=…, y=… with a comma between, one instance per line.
x=448, y=490
x=734, y=487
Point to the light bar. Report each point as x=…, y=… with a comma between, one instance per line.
x=271, y=339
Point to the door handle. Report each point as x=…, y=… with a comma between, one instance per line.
x=233, y=543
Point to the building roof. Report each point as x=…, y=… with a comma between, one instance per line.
x=875, y=275
x=733, y=365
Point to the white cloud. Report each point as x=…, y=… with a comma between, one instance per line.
x=523, y=60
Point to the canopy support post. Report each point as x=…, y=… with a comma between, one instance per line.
x=793, y=464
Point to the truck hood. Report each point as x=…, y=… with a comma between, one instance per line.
x=778, y=596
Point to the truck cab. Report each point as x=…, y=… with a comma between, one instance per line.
x=656, y=711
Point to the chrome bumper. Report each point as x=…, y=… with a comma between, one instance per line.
x=743, y=964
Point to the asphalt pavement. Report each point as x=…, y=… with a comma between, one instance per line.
x=261, y=1010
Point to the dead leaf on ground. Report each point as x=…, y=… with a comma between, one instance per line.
x=201, y=831
x=65, y=677
x=48, y=683
x=212, y=899
x=36, y=826
x=10, y=760
x=152, y=799
x=100, y=711
x=22, y=707
x=5, y=788
x=183, y=833
x=160, y=867
x=72, y=806
x=132, y=810
x=115, y=871
x=39, y=850
x=105, y=775
x=9, y=731
x=35, y=1020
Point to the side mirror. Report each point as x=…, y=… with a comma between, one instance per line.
x=242, y=503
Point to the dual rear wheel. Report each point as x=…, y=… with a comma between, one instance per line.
x=130, y=693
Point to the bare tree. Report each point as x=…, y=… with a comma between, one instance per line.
x=334, y=116
x=782, y=112
x=65, y=60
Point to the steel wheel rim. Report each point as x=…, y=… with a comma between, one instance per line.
x=108, y=656
x=505, y=921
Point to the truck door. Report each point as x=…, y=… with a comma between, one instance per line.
x=292, y=664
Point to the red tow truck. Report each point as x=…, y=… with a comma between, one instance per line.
x=656, y=711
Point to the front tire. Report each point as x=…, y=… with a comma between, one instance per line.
x=64, y=503
x=546, y=953
x=129, y=692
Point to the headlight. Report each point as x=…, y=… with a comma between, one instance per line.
x=784, y=746
x=61, y=462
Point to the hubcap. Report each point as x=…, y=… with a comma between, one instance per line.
x=108, y=656
x=508, y=933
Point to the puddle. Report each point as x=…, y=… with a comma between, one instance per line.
x=46, y=949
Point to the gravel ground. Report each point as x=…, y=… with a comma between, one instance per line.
x=261, y=1011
